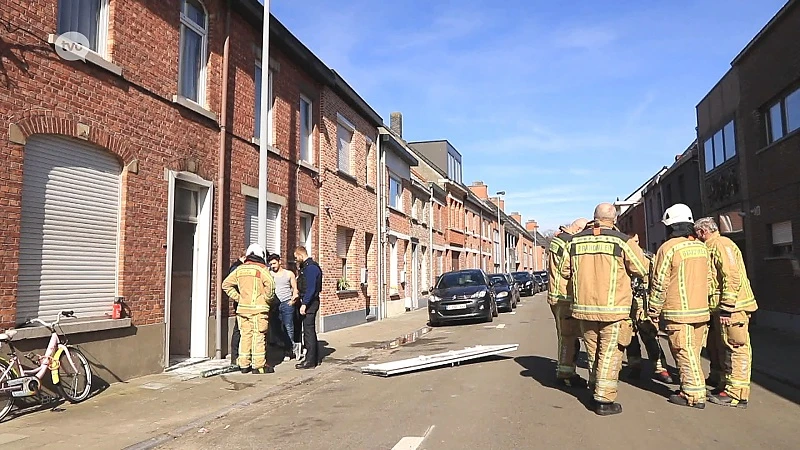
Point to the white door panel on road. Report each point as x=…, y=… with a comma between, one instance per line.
x=439, y=359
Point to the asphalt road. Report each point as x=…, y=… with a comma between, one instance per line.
x=500, y=403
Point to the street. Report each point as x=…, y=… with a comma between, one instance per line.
x=505, y=402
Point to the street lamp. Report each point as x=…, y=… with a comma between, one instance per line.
x=500, y=239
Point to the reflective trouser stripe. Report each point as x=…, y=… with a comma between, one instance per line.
x=568, y=332
x=605, y=357
x=686, y=341
x=737, y=380
x=252, y=344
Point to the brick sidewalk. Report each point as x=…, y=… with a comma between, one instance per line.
x=149, y=407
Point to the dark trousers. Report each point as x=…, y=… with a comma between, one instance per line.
x=235, y=337
x=651, y=346
x=310, y=332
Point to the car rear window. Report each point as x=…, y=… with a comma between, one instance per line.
x=460, y=279
x=522, y=276
x=499, y=279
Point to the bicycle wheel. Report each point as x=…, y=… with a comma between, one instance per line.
x=6, y=400
x=74, y=386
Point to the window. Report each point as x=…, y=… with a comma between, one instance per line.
x=668, y=195
x=783, y=117
x=305, y=232
x=681, y=193
x=393, y=285
x=194, y=42
x=343, y=238
x=782, y=238
x=395, y=193
x=370, y=165
x=87, y=17
x=793, y=111
x=720, y=147
x=306, y=128
x=414, y=207
x=453, y=168
x=344, y=142
x=251, y=224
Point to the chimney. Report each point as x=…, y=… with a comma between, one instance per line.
x=396, y=123
x=532, y=226
x=516, y=216
x=480, y=189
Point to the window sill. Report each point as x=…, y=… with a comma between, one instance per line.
x=70, y=327
x=778, y=142
x=308, y=166
x=347, y=176
x=189, y=104
x=370, y=187
x=92, y=58
x=257, y=142
x=398, y=211
x=347, y=292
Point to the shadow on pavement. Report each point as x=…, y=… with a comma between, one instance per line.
x=543, y=370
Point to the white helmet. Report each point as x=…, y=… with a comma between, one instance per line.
x=677, y=213
x=256, y=250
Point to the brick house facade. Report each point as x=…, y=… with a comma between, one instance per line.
x=749, y=134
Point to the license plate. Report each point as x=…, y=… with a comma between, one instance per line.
x=451, y=307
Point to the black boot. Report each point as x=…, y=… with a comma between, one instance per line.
x=263, y=370
x=663, y=377
x=607, y=409
x=678, y=399
x=245, y=369
x=574, y=381
x=307, y=364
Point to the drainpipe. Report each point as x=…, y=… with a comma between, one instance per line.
x=221, y=193
x=382, y=239
x=264, y=132
x=379, y=263
x=430, y=238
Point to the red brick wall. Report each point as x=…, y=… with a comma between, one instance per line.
x=133, y=117
x=347, y=203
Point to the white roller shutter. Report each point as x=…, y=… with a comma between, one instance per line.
x=250, y=221
x=273, y=228
x=782, y=233
x=69, y=229
x=273, y=224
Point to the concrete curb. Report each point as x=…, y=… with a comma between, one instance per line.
x=164, y=438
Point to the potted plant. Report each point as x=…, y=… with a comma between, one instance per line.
x=342, y=284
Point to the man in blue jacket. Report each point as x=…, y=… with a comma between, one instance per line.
x=309, y=284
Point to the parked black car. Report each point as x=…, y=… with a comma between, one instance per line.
x=527, y=285
x=505, y=291
x=545, y=276
x=541, y=284
x=461, y=295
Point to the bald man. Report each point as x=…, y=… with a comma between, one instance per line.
x=600, y=263
x=559, y=296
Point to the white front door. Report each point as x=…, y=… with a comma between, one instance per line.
x=188, y=267
x=414, y=276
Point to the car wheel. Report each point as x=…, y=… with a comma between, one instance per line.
x=496, y=311
x=489, y=316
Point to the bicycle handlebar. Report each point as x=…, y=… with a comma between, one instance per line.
x=51, y=324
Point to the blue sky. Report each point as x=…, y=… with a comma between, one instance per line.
x=560, y=104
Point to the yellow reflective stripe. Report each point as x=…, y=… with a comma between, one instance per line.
x=685, y=312
x=628, y=251
x=682, y=287
x=608, y=358
x=577, y=307
x=612, y=282
x=697, y=372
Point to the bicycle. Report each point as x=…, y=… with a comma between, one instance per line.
x=73, y=382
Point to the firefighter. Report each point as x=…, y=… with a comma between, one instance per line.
x=732, y=302
x=252, y=287
x=679, y=294
x=559, y=296
x=600, y=264
x=643, y=327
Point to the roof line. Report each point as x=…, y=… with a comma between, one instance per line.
x=778, y=16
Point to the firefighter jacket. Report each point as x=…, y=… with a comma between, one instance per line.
x=255, y=288
x=600, y=264
x=730, y=289
x=679, y=289
x=556, y=255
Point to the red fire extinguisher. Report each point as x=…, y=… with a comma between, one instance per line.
x=116, y=312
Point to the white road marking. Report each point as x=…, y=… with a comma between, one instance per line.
x=513, y=312
x=412, y=442
x=501, y=326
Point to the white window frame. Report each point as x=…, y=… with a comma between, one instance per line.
x=370, y=163
x=309, y=233
x=309, y=140
x=102, y=28
x=394, y=284
x=343, y=122
x=398, y=199
x=203, y=32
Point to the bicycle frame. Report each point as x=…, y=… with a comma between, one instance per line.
x=48, y=361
